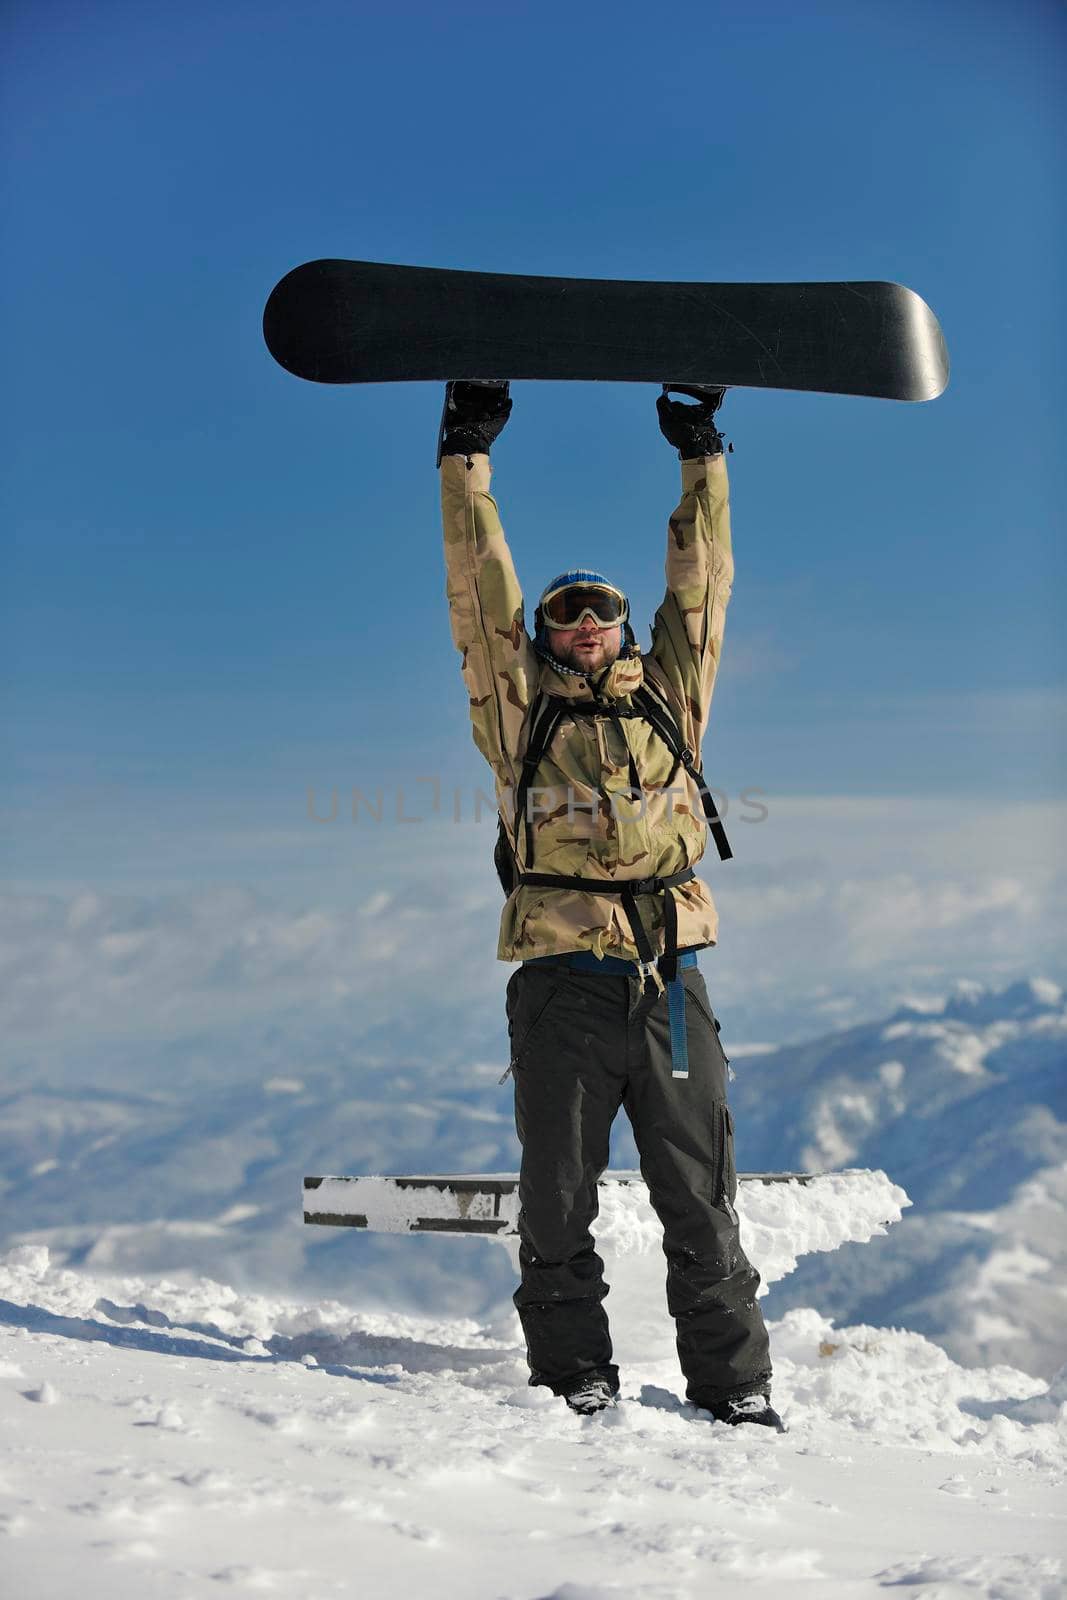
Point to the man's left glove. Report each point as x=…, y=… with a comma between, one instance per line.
x=690, y=428
x=474, y=415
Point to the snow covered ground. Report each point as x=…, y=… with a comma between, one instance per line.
x=168, y=1435
x=180, y=1440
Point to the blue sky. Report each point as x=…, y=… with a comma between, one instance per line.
x=223, y=585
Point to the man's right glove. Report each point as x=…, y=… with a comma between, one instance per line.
x=473, y=416
x=690, y=428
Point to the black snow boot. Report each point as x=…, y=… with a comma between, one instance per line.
x=750, y=1408
x=590, y=1393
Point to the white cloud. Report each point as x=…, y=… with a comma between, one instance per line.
x=831, y=903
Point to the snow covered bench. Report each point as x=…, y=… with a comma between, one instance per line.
x=484, y=1203
x=783, y=1214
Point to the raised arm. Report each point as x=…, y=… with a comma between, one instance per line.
x=484, y=598
x=688, y=629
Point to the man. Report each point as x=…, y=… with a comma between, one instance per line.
x=603, y=814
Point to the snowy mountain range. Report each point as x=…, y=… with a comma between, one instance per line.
x=960, y=1101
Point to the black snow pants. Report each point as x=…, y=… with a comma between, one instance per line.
x=581, y=1045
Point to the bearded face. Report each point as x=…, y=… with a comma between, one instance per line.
x=587, y=648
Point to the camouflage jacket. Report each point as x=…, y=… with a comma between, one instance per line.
x=586, y=821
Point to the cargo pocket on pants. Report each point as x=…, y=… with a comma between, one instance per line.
x=729, y=1164
x=709, y=1016
x=709, y=1048
x=520, y=1031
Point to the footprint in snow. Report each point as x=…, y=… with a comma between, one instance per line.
x=280, y=1421
x=253, y=1577
x=958, y=1486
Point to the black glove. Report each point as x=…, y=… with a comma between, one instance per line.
x=473, y=416
x=690, y=428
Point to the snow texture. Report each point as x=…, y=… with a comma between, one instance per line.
x=202, y=1441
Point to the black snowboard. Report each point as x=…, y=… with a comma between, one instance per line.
x=367, y=322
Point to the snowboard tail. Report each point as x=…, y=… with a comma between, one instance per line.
x=337, y=321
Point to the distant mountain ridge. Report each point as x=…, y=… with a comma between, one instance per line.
x=964, y=1103
x=942, y=1098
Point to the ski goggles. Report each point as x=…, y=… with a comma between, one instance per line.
x=566, y=607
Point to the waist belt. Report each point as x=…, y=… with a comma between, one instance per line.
x=603, y=966
x=663, y=973
x=628, y=889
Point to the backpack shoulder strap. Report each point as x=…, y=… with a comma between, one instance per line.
x=655, y=710
x=546, y=714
